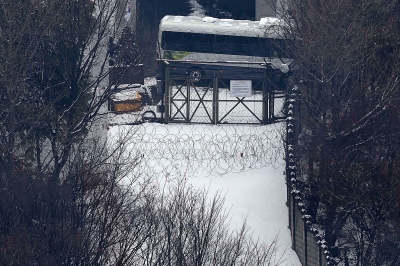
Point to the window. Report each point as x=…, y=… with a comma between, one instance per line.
x=186, y=41
x=224, y=44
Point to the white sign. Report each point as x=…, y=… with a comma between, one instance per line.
x=241, y=88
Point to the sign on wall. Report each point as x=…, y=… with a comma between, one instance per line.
x=241, y=88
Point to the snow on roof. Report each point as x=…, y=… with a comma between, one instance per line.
x=127, y=93
x=126, y=96
x=266, y=27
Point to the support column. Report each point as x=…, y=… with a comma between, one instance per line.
x=189, y=85
x=215, y=103
x=167, y=95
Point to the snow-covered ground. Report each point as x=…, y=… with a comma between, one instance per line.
x=259, y=196
x=243, y=162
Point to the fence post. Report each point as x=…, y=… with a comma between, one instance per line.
x=293, y=214
x=189, y=85
x=265, y=100
x=215, y=102
x=167, y=95
x=305, y=243
x=319, y=256
x=290, y=167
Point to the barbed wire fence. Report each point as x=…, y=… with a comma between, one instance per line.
x=176, y=149
x=182, y=150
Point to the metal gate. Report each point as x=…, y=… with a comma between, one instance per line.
x=209, y=99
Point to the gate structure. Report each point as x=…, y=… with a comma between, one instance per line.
x=209, y=97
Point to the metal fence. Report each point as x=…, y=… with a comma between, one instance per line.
x=210, y=99
x=306, y=240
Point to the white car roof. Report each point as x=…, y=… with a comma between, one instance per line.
x=266, y=27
